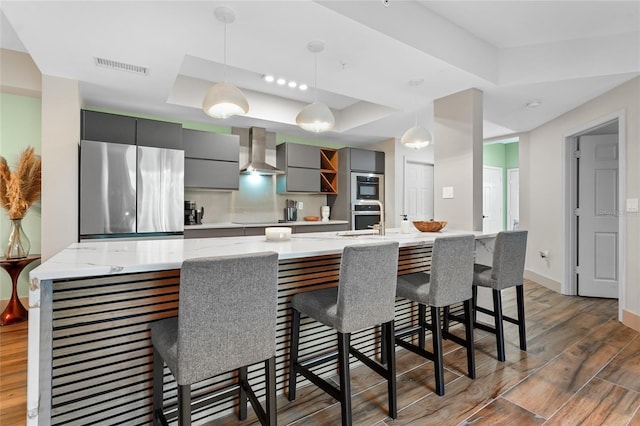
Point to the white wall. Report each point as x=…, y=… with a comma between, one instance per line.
x=542, y=204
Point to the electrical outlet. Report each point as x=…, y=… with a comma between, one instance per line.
x=300, y=205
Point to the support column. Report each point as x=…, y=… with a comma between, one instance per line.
x=60, y=138
x=458, y=160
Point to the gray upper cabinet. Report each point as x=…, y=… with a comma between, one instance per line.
x=114, y=128
x=297, y=155
x=363, y=160
x=301, y=164
x=211, y=160
x=103, y=127
x=158, y=134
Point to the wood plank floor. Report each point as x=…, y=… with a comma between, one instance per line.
x=582, y=367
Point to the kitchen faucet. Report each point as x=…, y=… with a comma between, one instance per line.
x=376, y=202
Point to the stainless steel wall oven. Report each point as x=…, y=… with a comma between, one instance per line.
x=366, y=186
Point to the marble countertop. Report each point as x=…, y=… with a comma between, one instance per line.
x=257, y=225
x=93, y=258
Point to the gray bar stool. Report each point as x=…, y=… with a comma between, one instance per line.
x=365, y=297
x=507, y=270
x=448, y=282
x=226, y=321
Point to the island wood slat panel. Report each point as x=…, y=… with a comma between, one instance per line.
x=102, y=353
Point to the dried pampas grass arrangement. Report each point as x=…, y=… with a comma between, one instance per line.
x=21, y=188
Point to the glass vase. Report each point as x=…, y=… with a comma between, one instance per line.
x=18, y=245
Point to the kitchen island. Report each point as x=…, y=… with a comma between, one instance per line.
x=89, y=345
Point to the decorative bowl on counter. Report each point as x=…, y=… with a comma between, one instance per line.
x=277, y=233
x=429, y=225
x=312, y=218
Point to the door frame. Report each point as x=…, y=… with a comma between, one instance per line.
x=569, y=284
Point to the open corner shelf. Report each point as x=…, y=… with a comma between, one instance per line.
x=329, y=171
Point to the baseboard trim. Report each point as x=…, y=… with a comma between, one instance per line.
x=544, y=281
x=631, y=320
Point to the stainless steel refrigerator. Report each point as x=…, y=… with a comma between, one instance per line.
x=130, y=190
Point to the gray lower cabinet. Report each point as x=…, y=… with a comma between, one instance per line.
x=211, y=160
x=213, y=232
x=302, y=229
x=259, y=230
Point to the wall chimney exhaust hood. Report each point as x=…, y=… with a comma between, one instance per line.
x=257, y=155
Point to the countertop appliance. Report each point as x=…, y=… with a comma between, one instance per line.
x=130, y=190
x=192, y=215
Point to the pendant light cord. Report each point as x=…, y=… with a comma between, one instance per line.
x=225, y=52
x=315, y=79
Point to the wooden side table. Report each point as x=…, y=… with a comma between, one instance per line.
x=15, y=312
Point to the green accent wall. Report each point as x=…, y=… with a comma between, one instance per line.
x=512, y=156
x=20, y=128
x=505, y=156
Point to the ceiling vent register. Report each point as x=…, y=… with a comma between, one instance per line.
x=121, y=66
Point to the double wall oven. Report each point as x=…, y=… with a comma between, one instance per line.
x=366, y=186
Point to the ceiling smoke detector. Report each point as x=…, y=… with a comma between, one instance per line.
x=534, y=103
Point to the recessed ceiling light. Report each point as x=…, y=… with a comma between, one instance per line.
x=303, y=87
x=281, y=81
x=534, y=103
x=269, y=78
x=292, y=84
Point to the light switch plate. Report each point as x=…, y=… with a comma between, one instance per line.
x=447, y=192
x=632, y=205
x=300, y=205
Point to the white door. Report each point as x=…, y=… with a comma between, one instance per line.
x=513, y=199
x=418, y=190
x=598, y=216
x=492, y=199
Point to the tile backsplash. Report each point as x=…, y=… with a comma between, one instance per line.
x=255, y=201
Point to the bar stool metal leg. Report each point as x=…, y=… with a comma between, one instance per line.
x=270, y=367
x=497, y=316
x=390, y=355
x=184, y=402
x=422, y=314
x=344, y=340
x=158, y=381
x=293, y=353
x=437, y=349
x=242, y=393
x=521, y=324
x=468, y=328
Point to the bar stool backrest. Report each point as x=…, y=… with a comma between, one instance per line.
x=366, y=294
x=451, y=270
x=226, y=314
x=508, y=259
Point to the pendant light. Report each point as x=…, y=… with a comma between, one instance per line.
x=223, y=100
x=315, y=117
x=416, y=137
